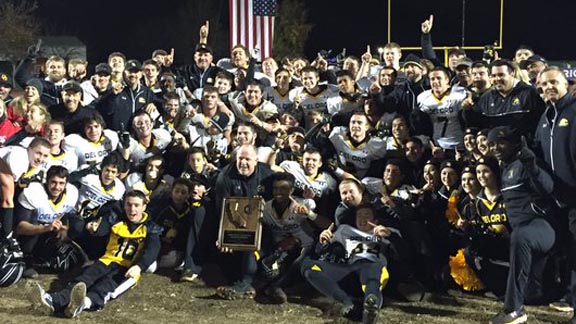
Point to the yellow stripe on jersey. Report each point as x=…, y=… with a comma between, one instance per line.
x=124, y=246
x=316, y=268
x=361, y=145
x=59, y=204
x=98, y=142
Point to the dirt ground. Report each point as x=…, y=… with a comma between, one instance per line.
x=158, y=299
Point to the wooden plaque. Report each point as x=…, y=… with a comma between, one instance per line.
x=241, y=223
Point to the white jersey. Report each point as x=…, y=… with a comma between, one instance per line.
x=44, y=210
x=91, y=189
x=263, y=111
x=342, y=104
x=359, y=156
x=444, y=113
x=321, y=101
x=283, y=102
x=358, y=245
x=200, y=138
x=138, y=153
x=322, y=185
x=67, y=159
x=375, y=186
x=289, y=223
x=91, y=152
x=17, y=158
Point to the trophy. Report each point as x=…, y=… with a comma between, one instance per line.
x=241, y=223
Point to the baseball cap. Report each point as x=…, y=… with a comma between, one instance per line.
x=296, y=129
x=159, y=52
x=505, y=133
x=6, y=79
x=414, y=60
x=103, y=68
x=456, y=51
x=203, y=47
x=464, y=62
x=532, y=59
x=72, y=86
x=133, y=65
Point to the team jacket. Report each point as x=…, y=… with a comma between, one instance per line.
x=524, y=189
x=556, y=137
x=117, y=110
x=520, y=109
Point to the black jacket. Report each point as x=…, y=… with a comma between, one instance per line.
x=526, y=189
x=193, y=77
x=520, y=109
x=117, y=110
x=556, y=138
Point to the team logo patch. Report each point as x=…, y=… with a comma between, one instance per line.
x=209, y=80
x=515, y=102
x=4, y=77
x=141, y=100
x=511, y=174
x=563, y=122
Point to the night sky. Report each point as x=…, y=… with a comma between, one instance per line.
x=138, y=27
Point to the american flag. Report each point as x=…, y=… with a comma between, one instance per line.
x=252, y=25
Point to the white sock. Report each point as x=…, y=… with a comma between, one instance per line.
x=87, y=303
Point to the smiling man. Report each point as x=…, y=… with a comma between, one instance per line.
x=555, y=138
x=71, y=111
x=509, y=102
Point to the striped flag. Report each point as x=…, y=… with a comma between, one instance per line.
x=252, y=25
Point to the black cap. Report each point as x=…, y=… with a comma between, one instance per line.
x=36, y=83
x=220, y=120
x=203, y=47
x=469, y=169
x=505, y=133
x=471, y=131
x=483, y=132
x=456, y=51
x=159, y=52
x=296, y=129
x=464, y=62
x=532, y=59
x=452, y=165
x=72, y=86
x=103, y=68
x=199, y=179
x=133, y=65
x=435, y=162
x=6, y=79
x=414, y=60
x=491, y=163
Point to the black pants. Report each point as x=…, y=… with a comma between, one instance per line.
x=529, y=244
x=324, y=276
x=100, y=280
x=571, y=213
x=193, y=254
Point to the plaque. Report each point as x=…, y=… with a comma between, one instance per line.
x=241, y=223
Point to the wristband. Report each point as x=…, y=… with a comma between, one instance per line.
x=312, y=215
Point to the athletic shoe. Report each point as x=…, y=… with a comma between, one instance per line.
x=561, y=306
x=370, y=313
x=77, y=297
x=515, y=317
x=39, y=297
x=188, y=276
x=30, y=273
x=276, y=294
x=239, y=290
